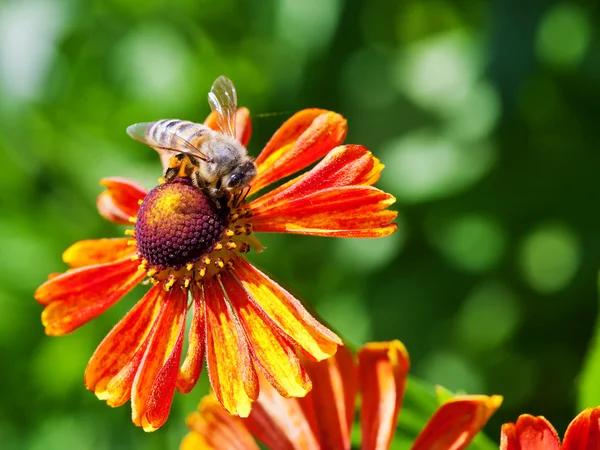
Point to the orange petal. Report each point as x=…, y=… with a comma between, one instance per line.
x=346, y=165
x=230, y=368
x=287, y=313
x=120, y=201
x=79, y=295
x=382, y=370
x=529, y=433
x=154, y=384
x=332, y=398
x=111, y=369
x=353, y=211
x=194, y=358
x=213, y=428
x=279, y=423
x=584, y=431
x=243, y=124
x=304, y=138
x=97, y=251
x=457, y=422
x=275, y=357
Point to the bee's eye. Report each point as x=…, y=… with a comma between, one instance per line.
x=234, y=180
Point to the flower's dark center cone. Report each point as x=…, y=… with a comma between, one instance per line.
x=177, y=223
x=183, y=237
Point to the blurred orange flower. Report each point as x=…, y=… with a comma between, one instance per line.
x=190, y=248
x=323, y=419
x=536, y=433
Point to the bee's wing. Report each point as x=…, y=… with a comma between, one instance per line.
x=169, y=141
x=223, y=101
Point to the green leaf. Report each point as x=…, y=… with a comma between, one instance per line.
x=588, y=387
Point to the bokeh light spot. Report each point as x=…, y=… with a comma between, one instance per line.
x=476, y=116
x=549, y=257
x=471, y=242
x=154, y=64
x=488, y=318
x=28, y=32
x=438, y=72
x=451, y=371
x=347, y=314
x=295, y=18
x=563, y=35
x=369, y=254
x=426, y=165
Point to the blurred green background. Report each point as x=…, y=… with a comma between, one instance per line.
x=483, y=112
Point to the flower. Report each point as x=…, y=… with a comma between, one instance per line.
x=536, y=433
x=323, y=419
x=191, y=248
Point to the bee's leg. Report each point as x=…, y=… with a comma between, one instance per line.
x=198, y=181
x=174, y=167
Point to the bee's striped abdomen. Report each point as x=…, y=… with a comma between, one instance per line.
x=169, y=132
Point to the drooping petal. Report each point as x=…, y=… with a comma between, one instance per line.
x=279, y=422
x=154, y=383
x=77, y=296
x=120, y=201
x=457, y=422
x=194, y=358
x=352, y=211
x=213, y=428
x=332, y=398
x=276, y=357
x=300, y=328
x=243, y=124
x=529, y=433
x=304, y=138
x=97, y=251
x=112, y=367
x=382, y=368
x=584, y=431
x=230, y=367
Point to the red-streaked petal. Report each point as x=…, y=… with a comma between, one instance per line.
x=79, y=295
x=382, y=371
x=304, y=138
x=275, y=357
x=279, y=422
x=529, y=433
x=584, y=431
x=300, y=328
x=457, y=422
x=352, y=211
x=230, y=368
x=154, y=384
x=192, y=364
x=112, y=367
x=347, y=165
x=121, y=199
x=243, y=124
x=213, y=428
x=98, y=251
x=332, y=398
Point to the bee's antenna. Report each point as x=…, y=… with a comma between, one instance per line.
x=273, y=114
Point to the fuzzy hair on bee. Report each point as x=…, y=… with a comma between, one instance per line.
x=216, y=161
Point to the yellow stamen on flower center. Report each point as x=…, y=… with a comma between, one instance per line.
x=183, y=237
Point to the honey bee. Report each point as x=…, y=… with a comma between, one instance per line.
x=216, y=161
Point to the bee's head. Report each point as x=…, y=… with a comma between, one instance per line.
x=240, y=176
